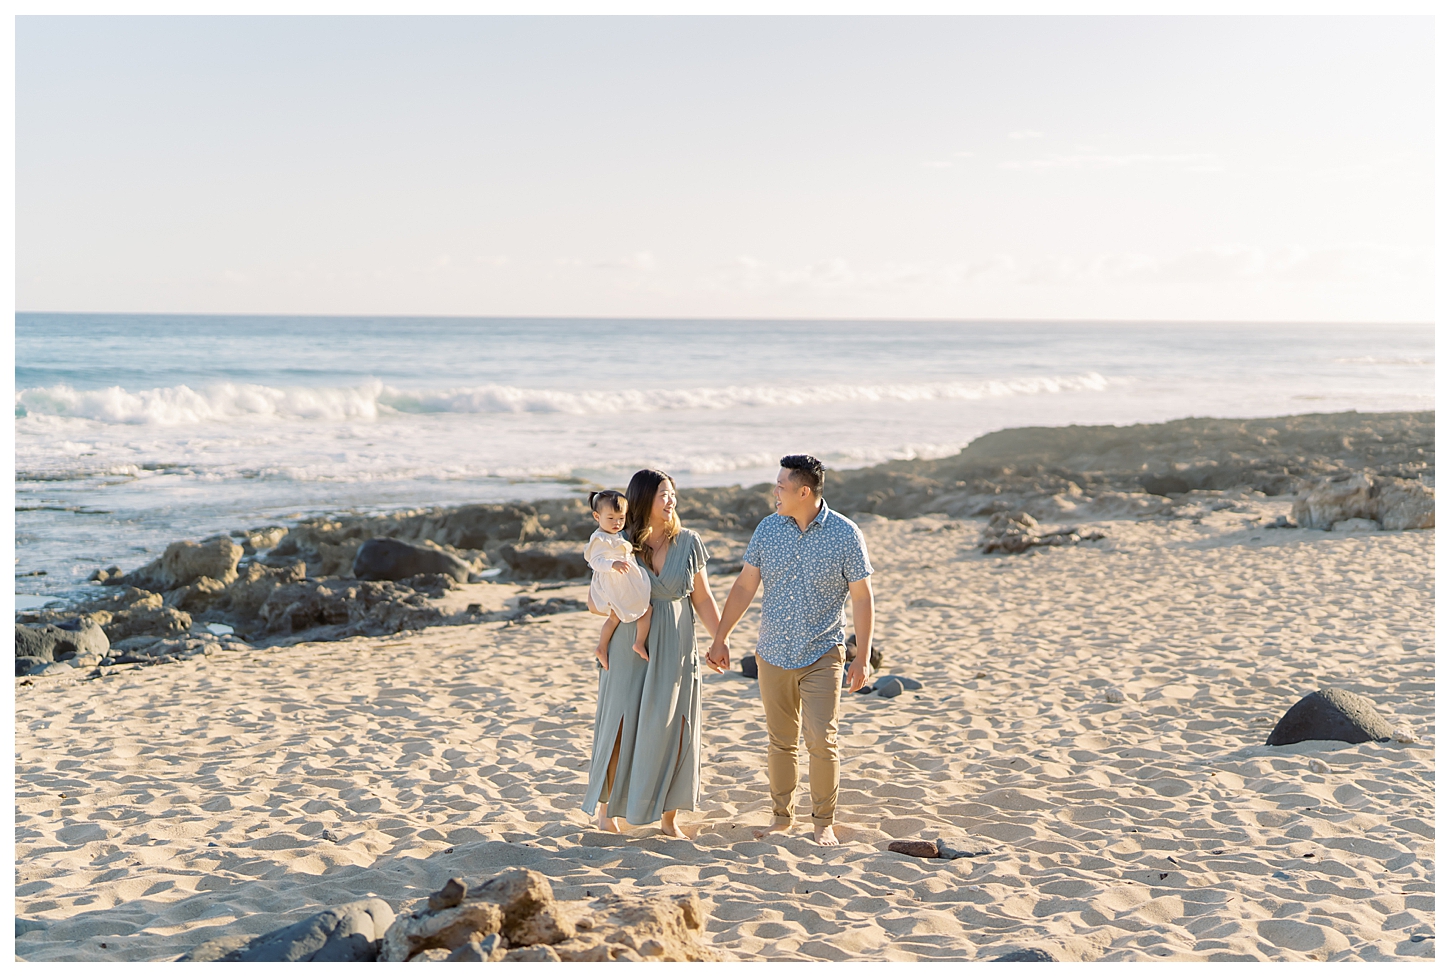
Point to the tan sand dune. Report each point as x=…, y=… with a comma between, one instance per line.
x=160, y=807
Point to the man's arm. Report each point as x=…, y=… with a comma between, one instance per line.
x=863, y=614
x=741, y=594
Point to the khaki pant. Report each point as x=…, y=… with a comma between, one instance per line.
x=789, y=695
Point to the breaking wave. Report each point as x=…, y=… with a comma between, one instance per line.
x=181, y=405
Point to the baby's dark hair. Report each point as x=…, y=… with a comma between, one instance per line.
x=614, y=499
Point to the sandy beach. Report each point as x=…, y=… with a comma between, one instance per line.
x=158, y=807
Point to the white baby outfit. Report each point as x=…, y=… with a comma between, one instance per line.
x=626, y=594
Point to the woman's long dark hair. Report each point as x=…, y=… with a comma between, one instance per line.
x=641, y=498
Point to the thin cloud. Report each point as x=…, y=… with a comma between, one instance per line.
x=1024, y=134
x=936, y=164
x=1191, y=162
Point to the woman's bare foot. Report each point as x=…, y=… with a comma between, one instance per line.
x=826, y=836
x=640, y=650
x=604, y=823
x=772, y=829
x=670, y=828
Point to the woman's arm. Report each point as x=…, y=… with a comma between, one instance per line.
x=706, y=610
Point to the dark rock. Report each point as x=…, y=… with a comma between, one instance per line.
x=347, y=933
x=1028, y=955
x=449, y=896
x=78, y=640
x=382, y=558
x=528, y=607
x=916, y=849
x=109, y=576
x=749, y=668
x=36, y=643
x=432, y=584
x=483, y=950
x=1165, y=485
x=27, y=665
x=1330, y=714
x=889, y=688
x=345, y=607
x=1283, y=522
x=546, y=560
x=907, y=684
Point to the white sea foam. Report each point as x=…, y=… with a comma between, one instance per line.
x=1388, y=360
x=183, y=405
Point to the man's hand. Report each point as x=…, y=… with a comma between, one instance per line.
x=620, y=566
x=718, y=657
x=856, y=674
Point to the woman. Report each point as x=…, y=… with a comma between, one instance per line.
x=646, y=761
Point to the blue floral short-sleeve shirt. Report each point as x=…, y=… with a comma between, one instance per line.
x=807, y=577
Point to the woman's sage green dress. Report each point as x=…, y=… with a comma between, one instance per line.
x=652, y=708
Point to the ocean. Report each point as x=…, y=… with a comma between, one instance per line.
x=135, y=430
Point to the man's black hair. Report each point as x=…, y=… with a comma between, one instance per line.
x=806, y=470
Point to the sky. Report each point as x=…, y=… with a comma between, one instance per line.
x=1176, y=168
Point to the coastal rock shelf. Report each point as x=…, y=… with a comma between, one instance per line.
x=338, y=576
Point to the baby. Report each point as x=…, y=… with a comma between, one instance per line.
x=620, y=586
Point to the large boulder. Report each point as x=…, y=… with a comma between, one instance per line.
x=1404, y=504
x=1392, y=503
x=1330, y=714
x=382, y=558
x=184, y=562
x=546, y=560
x=349, y=933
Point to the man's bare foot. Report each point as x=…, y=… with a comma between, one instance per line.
x=603, y=823
x=639, y=649
x=826, y=836
x=772, y=829
x=670, y=828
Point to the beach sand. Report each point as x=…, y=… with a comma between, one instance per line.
x=159, y=807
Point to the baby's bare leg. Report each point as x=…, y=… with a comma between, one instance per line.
x=641, y=632
x=605, y=633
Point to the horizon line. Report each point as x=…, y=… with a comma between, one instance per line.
x=695, y=318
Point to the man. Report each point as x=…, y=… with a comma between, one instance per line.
x=809, y=559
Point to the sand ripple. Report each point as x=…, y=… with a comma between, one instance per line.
x=159, y=807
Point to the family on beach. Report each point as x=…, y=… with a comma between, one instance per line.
x=650, y=581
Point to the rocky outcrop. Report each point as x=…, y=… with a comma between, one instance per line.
x=349, y=933
x=82, y=643
x=1017, y=532
x=347, y=607
x=382, y=558
x=1331, y=714
x=145, y=613
x=514, y=917
x=1390, y=503
x=184, y=562
x=546, y=561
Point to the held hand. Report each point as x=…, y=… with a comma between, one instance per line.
x=718, y=657
x=856, y=675
x=620, y=566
